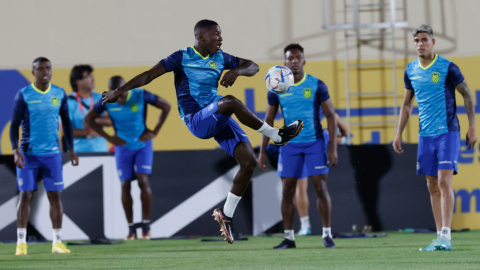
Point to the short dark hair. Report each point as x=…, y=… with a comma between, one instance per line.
x=40, y=59
x=115, y=82
x=203, y=24
x=77, y=74
x=292, y=46
x=423, y=28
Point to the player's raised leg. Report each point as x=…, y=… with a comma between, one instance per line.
x=324, y=206
x=229, y=105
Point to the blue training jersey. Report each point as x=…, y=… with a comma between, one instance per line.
x=84, y=145
x=38, y=112
x=129, y=119
x=303, y=102
x=196, y=78
x=434, y=88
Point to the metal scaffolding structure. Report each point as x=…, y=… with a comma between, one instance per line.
x=353, y=8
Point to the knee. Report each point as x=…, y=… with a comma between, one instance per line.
x=231, y=100
x=444, y=184
x=26, y=196
x=321, y=190
x=288, y=193
x=433, y=187
x=126, y=186
x=249, y=164
x=143, y=183
x=53, y=196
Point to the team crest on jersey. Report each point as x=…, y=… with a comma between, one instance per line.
x=55, y=101
x=307, y=93
x=213, y=65
x=134, y=107
x=435, y=77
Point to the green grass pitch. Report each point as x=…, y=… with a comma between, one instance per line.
x=396, y=251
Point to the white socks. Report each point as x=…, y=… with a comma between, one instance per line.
x=230, y=204
x=270, y=132
x=21, y=235
x=446, y=233
x=438, y=234
x=57, y=236
x=327, y=232
x=289, y=235
x=305, y=223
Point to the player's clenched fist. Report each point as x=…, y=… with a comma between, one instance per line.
x=397, y=145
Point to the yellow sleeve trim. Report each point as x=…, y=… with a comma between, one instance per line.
x=40, y=91
x=204, y=58
x=129, y=95
x=433, y=62
x=301, y=81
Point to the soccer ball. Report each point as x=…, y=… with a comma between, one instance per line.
x=279, y=79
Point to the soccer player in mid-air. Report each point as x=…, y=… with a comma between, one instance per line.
x=197, y=71
x=303, y=101
x=37, y=108
x=133, y=145
x=432, y=79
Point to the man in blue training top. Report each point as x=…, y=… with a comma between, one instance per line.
x=36, y=108
x=308, y=149
x=197, y=72
x=433, y=80
x=133, y=145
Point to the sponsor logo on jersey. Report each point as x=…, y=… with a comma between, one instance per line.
x=34, y=101
x=192, y=65
x=307, y=93
x=134, y=107
x=115, y=109
x=55, y=101
x=416, y=77
x=213, y=65
x=435, y=77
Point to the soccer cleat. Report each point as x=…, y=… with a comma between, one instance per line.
x=132, y=235
x=328, y=242
x=286, y=244
x=21, y=249
x=226, y=225
x=305, y=232
x=430, y=247
x=289, y=132
x=443, y=244
x=60, y=248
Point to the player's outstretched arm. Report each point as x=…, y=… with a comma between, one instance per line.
x=329, y=111
x=139, y=81
x=165, y=107
x=405, y=112
x=269, y=118
x=464, y=90
x=90, y=119
x=245, y=68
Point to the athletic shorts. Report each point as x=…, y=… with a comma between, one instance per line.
x=49, y=166
x=326, y=138
x=295, y=156
x=206, y=124
x=133, y=161
x=438, y=153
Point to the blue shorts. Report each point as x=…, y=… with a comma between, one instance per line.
x=326, y=137
x=130, y=162
x=295, y=156
x=438, y=153
x=206, y=124
x=50, y=168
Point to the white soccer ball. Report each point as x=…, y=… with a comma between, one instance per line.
x=279, y=79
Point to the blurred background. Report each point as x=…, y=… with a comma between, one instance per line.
x=358, y=48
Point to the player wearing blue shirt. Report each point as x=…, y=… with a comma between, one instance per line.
x=197, y=70
x=37, y=108
x=133, y=145
x=79, y=103
x=308, y=149
x=433, y=79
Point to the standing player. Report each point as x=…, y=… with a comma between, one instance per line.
x=197, y=72
x=37, y=108
x=433, y=80
x=303, y=101
x=133, y=145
